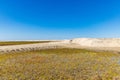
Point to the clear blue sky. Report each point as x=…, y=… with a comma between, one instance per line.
x=58, y=19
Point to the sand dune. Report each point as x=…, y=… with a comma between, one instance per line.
x=97, y=42
x=108, y=44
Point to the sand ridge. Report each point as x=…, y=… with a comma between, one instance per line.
x=111, y=44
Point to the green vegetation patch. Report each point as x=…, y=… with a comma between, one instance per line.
x=21, y=42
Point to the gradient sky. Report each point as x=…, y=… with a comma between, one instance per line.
x=59, y=19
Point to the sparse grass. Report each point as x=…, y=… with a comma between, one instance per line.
x=60, y=64
x=21, y=42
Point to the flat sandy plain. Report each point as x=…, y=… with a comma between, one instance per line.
x=77, y=59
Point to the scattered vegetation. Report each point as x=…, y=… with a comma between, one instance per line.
x=60, y=64
x=20, y=42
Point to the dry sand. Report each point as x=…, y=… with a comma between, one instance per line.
x=104, y=44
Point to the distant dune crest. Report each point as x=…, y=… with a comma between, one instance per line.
x=97, y=42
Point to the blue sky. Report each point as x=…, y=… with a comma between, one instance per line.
x=59, y=19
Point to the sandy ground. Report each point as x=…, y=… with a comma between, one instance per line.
x=29, y=47
x=92, y=44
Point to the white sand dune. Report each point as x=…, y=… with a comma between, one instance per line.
x=97, y=42
x=109, y=44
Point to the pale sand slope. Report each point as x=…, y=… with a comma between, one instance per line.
x=97, y=42
x=29, y=47
x=109, y=44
